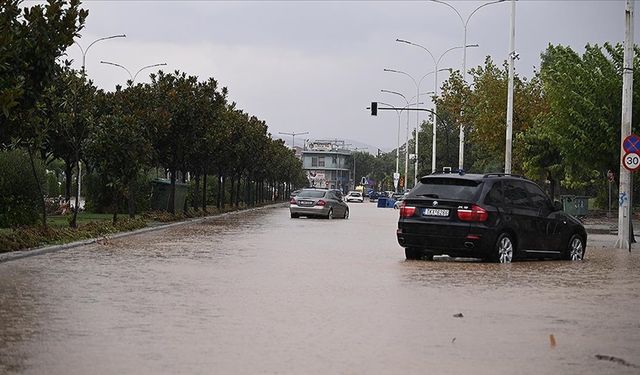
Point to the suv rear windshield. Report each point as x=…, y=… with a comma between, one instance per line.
x=448, y=188
x=312, y=193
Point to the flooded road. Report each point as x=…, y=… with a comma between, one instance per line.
x=260, y=293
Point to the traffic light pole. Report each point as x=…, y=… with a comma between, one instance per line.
x=374, y=112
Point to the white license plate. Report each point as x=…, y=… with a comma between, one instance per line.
x=436, y=212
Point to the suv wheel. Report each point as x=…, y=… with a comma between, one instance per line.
x=411, y=253
x=575, y=250
x=504, y=249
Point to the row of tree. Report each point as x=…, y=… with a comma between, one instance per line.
x=178, y=123
x=566, y=122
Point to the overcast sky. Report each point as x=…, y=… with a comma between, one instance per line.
x=314, y=67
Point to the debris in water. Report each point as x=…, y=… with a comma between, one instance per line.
x=552, y=341
x=617, y=360
x=458, y=315
x=454, y=340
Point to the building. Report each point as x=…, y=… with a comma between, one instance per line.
x=327, y=164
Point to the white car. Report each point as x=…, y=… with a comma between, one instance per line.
x=355, y=196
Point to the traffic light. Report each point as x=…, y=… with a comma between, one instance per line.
x=374, y=108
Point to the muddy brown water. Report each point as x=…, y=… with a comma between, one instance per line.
x=260, y=293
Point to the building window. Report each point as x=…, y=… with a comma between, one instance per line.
x=317, y=161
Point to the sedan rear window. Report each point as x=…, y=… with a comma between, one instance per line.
x=311, y=194
x=448, y=188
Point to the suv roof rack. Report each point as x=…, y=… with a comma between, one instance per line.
x=502, y=175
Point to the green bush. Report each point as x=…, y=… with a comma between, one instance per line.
x=20, y=201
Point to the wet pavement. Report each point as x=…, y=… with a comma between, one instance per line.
x=260, y=293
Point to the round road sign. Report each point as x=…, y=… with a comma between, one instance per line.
x=631, y=144
x=631, y=161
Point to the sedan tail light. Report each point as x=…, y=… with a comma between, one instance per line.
x=406, y=211
x=292, y=201
x=475, y=213
x=321, y=203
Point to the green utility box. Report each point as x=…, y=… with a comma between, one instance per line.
x=575, y=205
x=161, y=191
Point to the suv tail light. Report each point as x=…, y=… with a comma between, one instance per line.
x=321, y=203
x=406, y=211
x=475, y=213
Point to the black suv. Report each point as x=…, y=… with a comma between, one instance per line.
x=495, y=217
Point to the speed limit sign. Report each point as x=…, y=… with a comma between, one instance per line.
x=631, y=161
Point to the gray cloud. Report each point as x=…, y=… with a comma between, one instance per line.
x=315, y=66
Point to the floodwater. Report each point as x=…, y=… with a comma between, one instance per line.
x=260, y=293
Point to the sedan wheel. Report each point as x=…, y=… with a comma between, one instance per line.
x=330, y=214
x=346, y=214
x=504, y=249
x=576, y=248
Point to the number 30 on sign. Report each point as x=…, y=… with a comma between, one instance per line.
x=631, y=161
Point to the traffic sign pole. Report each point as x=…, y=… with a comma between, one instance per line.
x=624, y=198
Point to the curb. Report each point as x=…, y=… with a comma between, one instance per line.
x=14, y=255
x=601, y=231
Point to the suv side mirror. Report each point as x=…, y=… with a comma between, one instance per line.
x=557, y=206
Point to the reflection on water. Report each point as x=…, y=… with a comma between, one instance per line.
x=259, y=292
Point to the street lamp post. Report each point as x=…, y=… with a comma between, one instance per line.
x=84, y=51
x=406, y=144
x=133, y=77
x=84, y=59
x=464, y=64
x=435, y=90
x=399, y=113
x=417, y=84
x=293, y=135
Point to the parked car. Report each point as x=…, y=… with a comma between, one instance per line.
x=495, y=217
x=398, y=197
x=373, y=196
x=313, y=202
x=355, y=196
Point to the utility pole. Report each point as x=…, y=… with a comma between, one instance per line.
x=512, y=56
x=624, y=199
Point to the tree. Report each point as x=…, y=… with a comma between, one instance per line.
x=31, y=40
x=583, y=94
x=175, y=122
x=119, y=146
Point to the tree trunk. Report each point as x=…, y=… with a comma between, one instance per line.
x=218, y=199
x=35, y=176
x=132, y=199
x=74, y=220
x=183, y=179
x=204, y=191
x=68, y=174
x=196, y=191
x=233, y=190
x=223, y=200
x=172, y=193
x=115, y=206
x=238, y=191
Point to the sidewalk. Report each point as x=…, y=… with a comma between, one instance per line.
x=13, y=255
x=604, y=225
